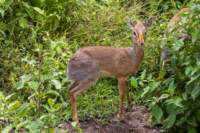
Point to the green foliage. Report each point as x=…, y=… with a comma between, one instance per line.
x=172, y=93
x=37, y=38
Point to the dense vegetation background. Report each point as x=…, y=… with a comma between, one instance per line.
x=37, y=38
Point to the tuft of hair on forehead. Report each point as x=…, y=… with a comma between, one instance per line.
x=140, y=27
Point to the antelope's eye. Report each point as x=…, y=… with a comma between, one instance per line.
x=134, y=33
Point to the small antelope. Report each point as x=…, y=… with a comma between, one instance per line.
x=89, y=63
x=172, y=25
x=176, y=19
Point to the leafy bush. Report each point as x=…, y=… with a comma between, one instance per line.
x=172, y=93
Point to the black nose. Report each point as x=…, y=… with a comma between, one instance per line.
x=142, y=43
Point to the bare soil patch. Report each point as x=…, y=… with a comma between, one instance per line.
x=135, y=121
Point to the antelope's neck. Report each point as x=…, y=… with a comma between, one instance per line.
x=137, y=54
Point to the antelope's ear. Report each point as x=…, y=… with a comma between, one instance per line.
x=149, y=22
x=131, y=24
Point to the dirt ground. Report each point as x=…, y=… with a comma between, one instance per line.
x=135, y=121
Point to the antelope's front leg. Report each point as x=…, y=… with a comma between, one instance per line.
x=122, y=86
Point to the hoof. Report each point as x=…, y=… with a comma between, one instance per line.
x=120, y=116
x=75, y=124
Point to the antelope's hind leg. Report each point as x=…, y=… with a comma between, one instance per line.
x=74, y=92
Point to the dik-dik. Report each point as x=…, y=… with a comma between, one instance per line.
x=89, y=63
x=173, y=25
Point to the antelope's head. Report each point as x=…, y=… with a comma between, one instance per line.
x=139, y=31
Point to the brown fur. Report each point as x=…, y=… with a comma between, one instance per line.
x=89, y=63
x=176, y=18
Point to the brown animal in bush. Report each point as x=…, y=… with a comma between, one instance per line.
x=89, y=63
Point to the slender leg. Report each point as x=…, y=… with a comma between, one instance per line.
x=73, y=100
x=74, y=84
x=128, y=98
x=74, y=92
x=122, y=86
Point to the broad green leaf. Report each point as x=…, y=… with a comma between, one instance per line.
x=195, y=92
x=146, y=90
x=172, y=109
x=169, y=122
x=21, y=124
x=134, y=82
x=157, y=113
x=50, y=101
x=163, y=96
x=143, y=75
x=162, y=73
x=25, y=77
x=23, y=109
x=14, y=105
x=189, y=70
x=178, y=44
x=175, y=101
x=53, y=92
x=193, y=79
x=47, y=108
x=57, y=84
x=35, y=126
x=40, y=11
x=154, y=85
x=33, y=85
x=19, y=85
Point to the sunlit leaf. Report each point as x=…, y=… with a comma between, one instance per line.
x=162, y=74
x=146, y=90
x=50, y=102
x=23, y=22
x=163, y=96
x=56, y=83
x=40, y=11
x=176, y=101
x=19, y=85
x=25, y=77
x=134, y=82
x=14, y=105
x=7, y=129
